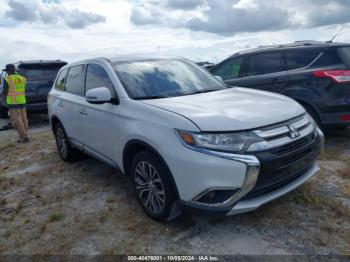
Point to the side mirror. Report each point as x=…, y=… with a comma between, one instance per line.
x=99, y=95
x=220, y=79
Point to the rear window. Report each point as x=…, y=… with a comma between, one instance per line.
x=345, y=54
x=40, y=72
x=328, y=58
x=74, y=81
x=61, y=80
x=301, y=58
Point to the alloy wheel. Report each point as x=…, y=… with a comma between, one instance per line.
x=61, y=142
x=149, y=187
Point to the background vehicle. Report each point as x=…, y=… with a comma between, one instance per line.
x=40, y=75
x=206, y=65
x=187, y=141
x=316, y=74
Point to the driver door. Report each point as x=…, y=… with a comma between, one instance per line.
x=100, y=121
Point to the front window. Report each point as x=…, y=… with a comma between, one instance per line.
x=147, y=79
x=96, y=77
x=229, y=69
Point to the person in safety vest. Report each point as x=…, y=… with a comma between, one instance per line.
x=14, y=89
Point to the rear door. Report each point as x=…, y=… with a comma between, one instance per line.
x=57, y=97
x=265, y=71
x=40, y=78
x=71, y=102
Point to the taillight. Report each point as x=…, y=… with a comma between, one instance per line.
x=345, y=118
x=339, y=76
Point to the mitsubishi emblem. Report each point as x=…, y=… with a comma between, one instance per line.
x=293, y=132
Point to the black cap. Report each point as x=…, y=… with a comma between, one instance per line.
x=9, y=67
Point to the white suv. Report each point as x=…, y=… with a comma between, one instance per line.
x=188, y=142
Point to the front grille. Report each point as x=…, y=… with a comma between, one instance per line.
x=293, y=145
x=285, y=136
x=261, y=190
x=276, y=171
x=283, y=164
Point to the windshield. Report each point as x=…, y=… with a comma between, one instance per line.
x=149, y=79
x=345, y=54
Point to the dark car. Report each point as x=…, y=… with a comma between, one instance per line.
x=40, y=75
x=316, y=74
x=206, y=65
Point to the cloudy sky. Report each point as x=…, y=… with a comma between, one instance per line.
x=197, y=29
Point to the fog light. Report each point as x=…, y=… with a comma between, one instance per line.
x=215, y=196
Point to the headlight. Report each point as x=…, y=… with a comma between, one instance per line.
x=232, y=142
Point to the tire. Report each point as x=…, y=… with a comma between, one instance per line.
x=3, y=112
x=153, y=188
x=65, y=150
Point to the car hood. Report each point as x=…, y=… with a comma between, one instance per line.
x=231, y=109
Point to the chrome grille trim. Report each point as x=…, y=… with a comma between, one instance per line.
x=272, y=133
x=280, y=135
x=283, y=130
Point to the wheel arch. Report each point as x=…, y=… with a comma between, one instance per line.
x=135, y=146
x=304, y=97
x=53, y=121
x=307, y=104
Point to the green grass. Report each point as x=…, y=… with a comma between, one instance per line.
x=56, y=217
x=110, y=200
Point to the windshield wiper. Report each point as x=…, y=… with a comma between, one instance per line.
x=203, y=91
x=150, y=97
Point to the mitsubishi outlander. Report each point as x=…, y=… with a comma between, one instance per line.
x=188, y=142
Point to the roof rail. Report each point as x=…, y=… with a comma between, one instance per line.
x=294, y=44
x=308, y=42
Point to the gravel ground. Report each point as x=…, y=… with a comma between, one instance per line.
x=50, y=207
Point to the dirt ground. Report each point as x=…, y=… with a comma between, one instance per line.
x=53, y=208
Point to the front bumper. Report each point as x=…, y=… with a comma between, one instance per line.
x=253, y=203
x=266, y=179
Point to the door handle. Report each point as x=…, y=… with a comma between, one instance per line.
x=60, y=104
x=83, y=112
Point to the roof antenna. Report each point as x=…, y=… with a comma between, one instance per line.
x=339, y=31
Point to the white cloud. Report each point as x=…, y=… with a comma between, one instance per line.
x=118, y=35
x=51, y=12
x=237, y=16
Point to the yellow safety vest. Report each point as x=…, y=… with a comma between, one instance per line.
x=16, y=89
